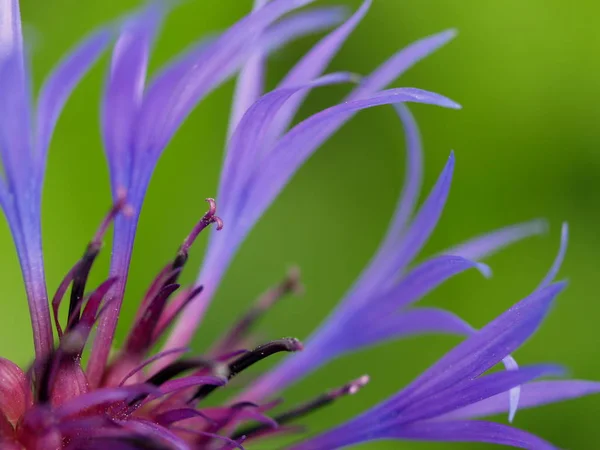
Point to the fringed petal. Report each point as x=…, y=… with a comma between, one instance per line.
x=533, y=394
x=125, y=89
x=486, y=245
x=311, y=66
x=472, y=390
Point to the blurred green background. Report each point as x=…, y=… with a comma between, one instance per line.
x=527, y=146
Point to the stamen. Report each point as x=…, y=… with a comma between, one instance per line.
x=183, y=365
x=307, y=408
x=59, y=295
x=157, y=284
x=74, y=341
x=149, y=361
x=119, y=206
x=206, y=220
x=177, y=368
x=250, y=358
x=139, y=339
x=289, y=285
x=93, y=249
x=80, y=280
x=174, y=309
x=240, y=412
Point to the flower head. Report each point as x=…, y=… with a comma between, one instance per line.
x=140, y=398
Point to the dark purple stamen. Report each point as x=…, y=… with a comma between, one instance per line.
x=140, y=337
x=183, y=365
x=59, y=295
x=79, y=282
x=83, y=268
x=182, y=254
x=177, y=368
x=174, y=309
x=306, y=408
x=248, y=359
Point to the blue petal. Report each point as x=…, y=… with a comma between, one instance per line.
x=533, y=394
x=311, y=66
x=483, y=246
x=124, y=91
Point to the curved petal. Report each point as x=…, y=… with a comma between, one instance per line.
x=533, y=394
x=311, y=66
x=486, y=245
x=473, y=431
x=301, y=142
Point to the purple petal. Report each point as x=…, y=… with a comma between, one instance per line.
x=471, y=431
x=300, y=24
x=415, y=285
x=311, y=66
x=564, y=240
x=393, y=263
x=250, y=83
x=407, y=323
x=514, y=395
x=20, y=189
x=15, y=128
x=249, y=138
x=249, y=87
x=11, y=39
x=455, y=431
x=386, y=73
x=400, y=63
x=470, y=391
x=488, y=244
x=532, y=395
x=301, y=142
x=486, y=347
x=58, y=87
x=125, y=89
x=174, y=93
x=251, y=79
x=370, y=277
x=413, y=173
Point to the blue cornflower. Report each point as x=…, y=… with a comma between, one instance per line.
x=141, y=399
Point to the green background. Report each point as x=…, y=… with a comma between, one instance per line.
x=527, y=145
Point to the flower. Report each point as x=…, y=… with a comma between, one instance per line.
x=142, y=399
